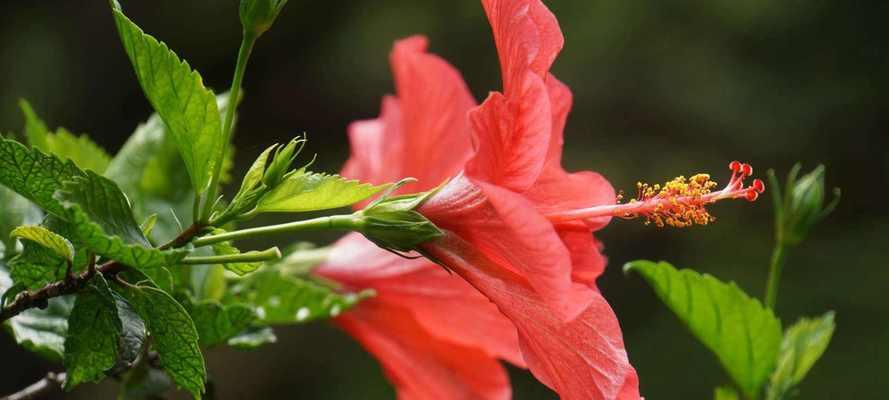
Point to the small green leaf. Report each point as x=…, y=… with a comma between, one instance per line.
x=35, y=174
x=252, y=338
x=63, y=144
x=174, y=333
x=145, y=383
x=743, y=334
x=178, y=95
x=104, y=222
x=94, y=331
x=227, y=248
x=726, y=393
x=216, y=323
x=803, y=345
x=309, y=191
x=43, y=331
x=16, y=210
x=281, y=299
x=36, y=266
x=46, y=238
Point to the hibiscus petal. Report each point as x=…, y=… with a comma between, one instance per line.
x=421, y=366
x=557, y=190
x=355, y=261
x=376, y=146
x=508, y=228
x=512, y=136
x=561, y=100
x=586, y=253
x=434, y=102
x=580, y=359
x=453, y=310
x=527, y=36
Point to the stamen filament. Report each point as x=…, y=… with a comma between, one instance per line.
x=678, y=203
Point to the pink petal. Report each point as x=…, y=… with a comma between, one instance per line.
x=586, y=253
x=512, y=136
x=561, y=100
x=509, y=229
x=452, y=310
x=527, y=36
x=557, y=190
x=434, y=102
x=579, y=359
x=357, y=262
x=421, y=366
x=376, y=146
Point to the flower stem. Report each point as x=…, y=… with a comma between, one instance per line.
x=247, y=42
x=777, y=265
x=250, y=256
x=335, y=222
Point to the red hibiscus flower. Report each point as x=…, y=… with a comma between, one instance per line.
x=435, y=336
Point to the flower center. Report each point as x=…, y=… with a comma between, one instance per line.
x=679, y=203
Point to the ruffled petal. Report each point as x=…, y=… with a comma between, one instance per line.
x=557, y=190
x=508, y=228
x=579, y=359
x=376, y=146
x=512, y=136
x=434, y=102
x=561, y=100
x=527, y=36
x=586, y=253
x=421, y=366
x=355, y=261
x=452, y=310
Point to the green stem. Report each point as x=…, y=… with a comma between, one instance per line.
x=247, y=42
x=335, y=222
x=775, y=269
x=250, y=256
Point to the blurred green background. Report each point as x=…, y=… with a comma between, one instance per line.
x=662, y=88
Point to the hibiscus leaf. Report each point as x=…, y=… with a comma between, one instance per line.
x=803, y=345
x=227, y=248
x=46, y=238
x=743, y=334
x=80, y=149
x=43, y=331
x=175, y=337
x=94, y=331
x=36, y=266
x=310, y=191
x=281, y=299
x=725, y=393
x=178, y=95
x=16, y=211
x=34, y=174
x=103, y=220
x=217, y=323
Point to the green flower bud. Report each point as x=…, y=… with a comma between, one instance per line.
x=279, y=167
x=803, y=205
x=257, y=16
x=393, y=224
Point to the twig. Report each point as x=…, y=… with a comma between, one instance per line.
x=51, y=382
x=77, y=282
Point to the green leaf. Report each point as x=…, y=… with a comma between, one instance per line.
x=174, y=334
x=145, y=382
x=63, y=144
x=309, y=191
x=726, y=393
x=36, y=266
x=803, y=345
x=253, y=337
x=35, y=174
x=43, y=331
x=104, y=222
x=16, y=210
x=46, y=238
x=178, y=95
x=743, y=334
x=94, y=331
x=281, y=299
x=216, y=323
x=227, y=248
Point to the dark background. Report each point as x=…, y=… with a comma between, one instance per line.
x=662, y=88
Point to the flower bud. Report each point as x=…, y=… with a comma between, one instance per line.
x=392, y=223
x=803, y=205
x=257, y=16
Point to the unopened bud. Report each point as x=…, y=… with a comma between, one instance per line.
x=257, y=16
x=804, y=205
x=393, y=224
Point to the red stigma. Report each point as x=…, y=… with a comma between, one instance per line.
x=734, y=166
x=751, y=195
x=746, y=169
x=758, y=186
